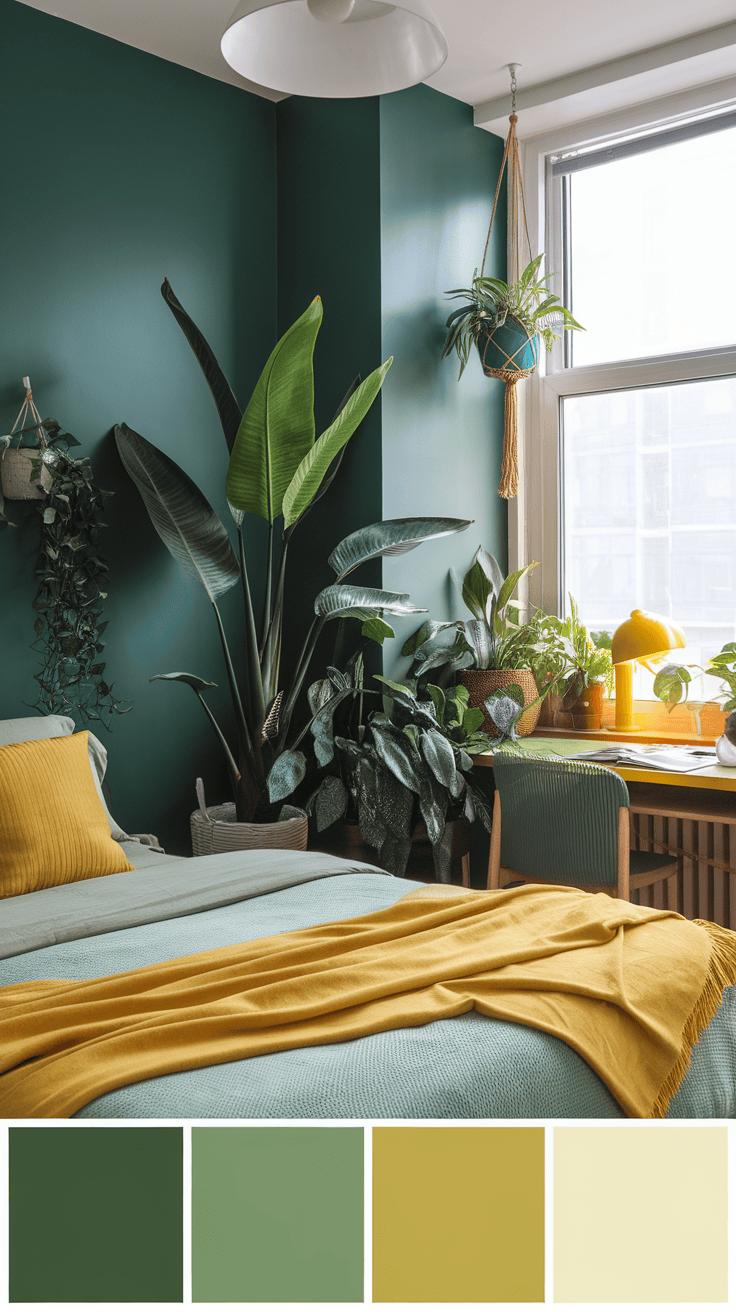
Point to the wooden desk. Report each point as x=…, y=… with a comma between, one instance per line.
x=691, y=815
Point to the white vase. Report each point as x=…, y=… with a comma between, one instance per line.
x=725, y=751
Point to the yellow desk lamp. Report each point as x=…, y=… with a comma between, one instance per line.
x=641, y=636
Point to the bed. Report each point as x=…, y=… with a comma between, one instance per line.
x=467, y=1067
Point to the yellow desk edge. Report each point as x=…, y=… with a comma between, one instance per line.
x=711, y=776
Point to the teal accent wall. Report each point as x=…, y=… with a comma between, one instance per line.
x=329, y=245
x=441, y=438
x=120, y=169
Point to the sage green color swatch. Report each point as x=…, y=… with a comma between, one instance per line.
x=96, y=1215
x=277, y=1215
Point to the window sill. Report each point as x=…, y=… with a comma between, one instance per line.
x=657, y=725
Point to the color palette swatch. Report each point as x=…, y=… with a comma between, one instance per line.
x=640, y=1214
x=615, y=1214
x=277, y=1215
x=458, y=1215
x=95, y=1215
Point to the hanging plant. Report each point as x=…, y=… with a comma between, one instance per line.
x=36, y=466
x=72, y=589
x=506, y=321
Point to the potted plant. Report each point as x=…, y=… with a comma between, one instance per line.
x=490, y=652
x=24, y=473
x=394, y=768
x=574, y=670
x=672, y=684
x=505, y=321
x=276, y=470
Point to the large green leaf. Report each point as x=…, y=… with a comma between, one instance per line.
x=391, y=537
x=227, y=407
x=343, y=600
x=477, y=588
x=334, y=466
x=285, y=775
x=313, y=468
x=181, y=515
x=277, y=429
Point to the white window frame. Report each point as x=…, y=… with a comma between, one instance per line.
x=534, y=522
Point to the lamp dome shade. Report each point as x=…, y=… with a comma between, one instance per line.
x=645, y=634
x=332, y=48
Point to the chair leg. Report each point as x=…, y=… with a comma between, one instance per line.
x=465, y=867
x=624, y=829
x=494, y=856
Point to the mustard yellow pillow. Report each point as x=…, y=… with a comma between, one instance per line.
x=53, y=827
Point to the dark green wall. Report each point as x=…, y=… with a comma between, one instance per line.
x=441, y=439
x=120, y=169
x=329, y=245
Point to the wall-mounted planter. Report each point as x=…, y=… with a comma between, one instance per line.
x=16, y=469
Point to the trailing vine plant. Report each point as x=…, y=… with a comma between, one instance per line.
x=72, y=588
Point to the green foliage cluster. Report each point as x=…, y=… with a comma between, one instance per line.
x=405, y=762
x=490, y=302
x=72, y=588
x=671, y=683
x=493, y=640
x=571, y=659
x=278, y=470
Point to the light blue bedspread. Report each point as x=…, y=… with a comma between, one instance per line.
x=465, y=1068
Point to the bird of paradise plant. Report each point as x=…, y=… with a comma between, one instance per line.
x=277, y=471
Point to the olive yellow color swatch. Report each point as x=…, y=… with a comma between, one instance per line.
x=640, y=1214
x=458, y=1215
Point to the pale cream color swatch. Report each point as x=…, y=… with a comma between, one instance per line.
x=640, y=1214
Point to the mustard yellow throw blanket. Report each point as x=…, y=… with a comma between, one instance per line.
x=629, y=988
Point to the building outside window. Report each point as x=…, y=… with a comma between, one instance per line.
x=631, y=425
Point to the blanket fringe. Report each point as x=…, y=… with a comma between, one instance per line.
x=721, y=973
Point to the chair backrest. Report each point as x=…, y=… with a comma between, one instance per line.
x=559, y=818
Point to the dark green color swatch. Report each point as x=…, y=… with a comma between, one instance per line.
x=96, y=1216
x=277, y=1215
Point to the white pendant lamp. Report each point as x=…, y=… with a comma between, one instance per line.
x=330, y=48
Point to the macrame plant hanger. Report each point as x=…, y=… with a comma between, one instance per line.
x=507, y=367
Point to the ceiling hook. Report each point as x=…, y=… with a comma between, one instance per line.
x=512, y=70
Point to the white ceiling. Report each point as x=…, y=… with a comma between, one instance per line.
x=565, y=48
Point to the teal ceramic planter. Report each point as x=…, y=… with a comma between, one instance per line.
x=509, y=348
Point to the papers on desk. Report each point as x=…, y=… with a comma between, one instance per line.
x=677, y=760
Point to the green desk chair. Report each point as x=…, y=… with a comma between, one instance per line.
x=566, y=822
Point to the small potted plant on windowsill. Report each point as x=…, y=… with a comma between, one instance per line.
x=576, y=670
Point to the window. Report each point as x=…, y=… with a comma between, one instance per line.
x=630, y=493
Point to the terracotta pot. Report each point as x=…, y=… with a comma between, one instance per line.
x=586, y=712
x=480, y=683
x=215, y=829
x=548, y=710
x=344, y=839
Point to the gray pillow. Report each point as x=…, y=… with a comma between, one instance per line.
x=30, y=728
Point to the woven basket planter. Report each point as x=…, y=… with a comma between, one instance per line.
x=215, y=829
x=481, y=683
x=16, y=468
